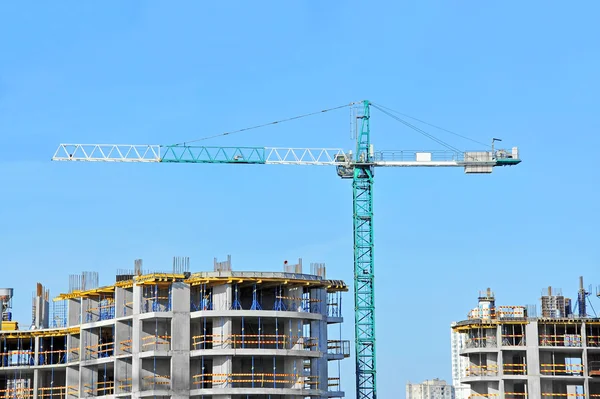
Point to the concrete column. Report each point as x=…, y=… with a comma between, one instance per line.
x=318, y=330
x=90, y=339
x=136, y=363
x=180, y=341
x=36, y=376
x=222, y=297
x=533, y=360
x=295, y=366
x=87, y=376
x=74, y=312
x=222, y=330
x=42, y=312
x=123, y=302
x=72, y=380
x=122, y=333
x=122, y=373
x=584, y=360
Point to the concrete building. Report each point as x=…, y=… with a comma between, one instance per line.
x=459, y=363
x=210, y=335
x=511, y=353
x=430, y=389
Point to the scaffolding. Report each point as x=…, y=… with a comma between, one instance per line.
x=17, y=352
x=105, y=310
x=157, y=298
x=334, y=304
x=560, y=334
x=201, y=298
x=58, y=314
x=338, y=347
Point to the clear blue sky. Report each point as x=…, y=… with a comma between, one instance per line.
x=156, y=72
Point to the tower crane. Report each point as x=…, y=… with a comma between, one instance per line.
x=358, y=166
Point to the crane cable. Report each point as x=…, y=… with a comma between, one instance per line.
x=265, y=124
x=379, y=107
x=424, y=133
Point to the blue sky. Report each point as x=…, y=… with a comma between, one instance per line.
x=152, y=72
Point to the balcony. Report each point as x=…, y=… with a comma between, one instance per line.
x=338, y=347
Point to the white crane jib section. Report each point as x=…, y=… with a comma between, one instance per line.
x=473, y=162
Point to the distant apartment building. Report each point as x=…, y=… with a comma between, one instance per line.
x=459, y=364
x=430, y=389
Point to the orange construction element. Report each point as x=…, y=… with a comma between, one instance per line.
x=561, y=369
x=251, y=341
x=482, y=370
x=514, y=368
x=125, y=385
x=156, y=341
x=102, y=388
x=100, y=350
x=263, y=379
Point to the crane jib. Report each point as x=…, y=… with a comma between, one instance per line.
x=358, y=166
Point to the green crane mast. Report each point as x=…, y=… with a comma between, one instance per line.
x=358, y=167
x=364, y=276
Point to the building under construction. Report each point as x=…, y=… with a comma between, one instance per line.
x=507, y=352
x=210, y=335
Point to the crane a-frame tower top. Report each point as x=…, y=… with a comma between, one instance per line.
x=358, y=166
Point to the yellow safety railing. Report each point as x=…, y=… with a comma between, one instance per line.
x=156, y=380
x=253, y=341
x=152, y=342
x=53, y=357
x=593, y=340
x=125, y=346
x=17, y=392
x=155, y=304
x=73, y=390
x=557, y=368
x=124, y=385
x=261, y=379
x=333, y=382
x=482, y=370
x=17, y=358
x=102, y=388
x=571, y=340
x=99, y=351
x=564, y=395
x=514, y=368
x=56, y=392
x=484, y=395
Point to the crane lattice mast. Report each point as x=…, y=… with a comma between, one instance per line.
x=359, y=167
